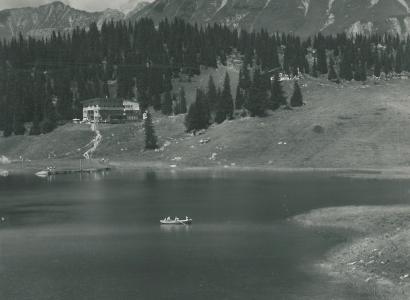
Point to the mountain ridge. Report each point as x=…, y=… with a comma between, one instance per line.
x=302, y=17
x=41, y=21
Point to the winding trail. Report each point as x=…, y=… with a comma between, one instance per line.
x=95, y=142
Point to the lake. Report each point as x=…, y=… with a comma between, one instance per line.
x=98, y=236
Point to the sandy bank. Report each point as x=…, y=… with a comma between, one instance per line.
x=375, y=257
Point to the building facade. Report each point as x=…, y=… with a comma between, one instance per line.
x=131, y=110
x=103, y=110
x=107, y=110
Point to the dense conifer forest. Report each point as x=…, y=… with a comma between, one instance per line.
x=44, y=81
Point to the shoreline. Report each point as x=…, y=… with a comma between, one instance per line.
x=72, y=165
x=375, y=254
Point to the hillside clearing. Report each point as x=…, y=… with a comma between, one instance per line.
x=351, y=126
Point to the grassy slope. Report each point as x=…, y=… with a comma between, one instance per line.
x=202, y=80
x=64, y=142
x=364, y=127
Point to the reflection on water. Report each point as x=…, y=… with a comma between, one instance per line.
x=98, y=236
x=175, y=228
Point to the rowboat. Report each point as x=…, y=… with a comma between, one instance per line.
x=176, y=221
x=43, y=173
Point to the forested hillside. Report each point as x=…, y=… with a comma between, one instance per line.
x=44, y=81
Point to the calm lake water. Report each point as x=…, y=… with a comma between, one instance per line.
x=98, y=236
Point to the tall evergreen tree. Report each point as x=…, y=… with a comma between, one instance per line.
x=182, y=101
x=166, y=104
x=211, y=93
x=377, y=67
x=151, y=141
x=277, y=97
x=49, y=122
x=363, y=71
x=220, y=115
x=240, y=97
x=226, y=98
x=204, y=109
x=322, y=60
x=243, y=87
x=257, y=102
x=346, y=71
x=198, y=116
x=315, y=69
x=297, y=99
x=192, y=119
x=19, y=128
x=332, y=75
x=398, y=66
x=35, y=128
x=156, y=102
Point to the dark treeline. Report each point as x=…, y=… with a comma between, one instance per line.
x=44, y=81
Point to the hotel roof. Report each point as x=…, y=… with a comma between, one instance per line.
x=103, y=102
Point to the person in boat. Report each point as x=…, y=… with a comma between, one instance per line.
x=169, y=219
x=176, y=219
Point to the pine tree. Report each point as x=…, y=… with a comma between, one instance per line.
x=18, y=127
x=297, y=99
x=315, y=69
x=182, y=101
x=204, y=110
x=35, y=128
x=8, y=121
x=192, y=119
x=363, y=71
x=322, y=60
x=240, y=98
x=226, y=98
x=151, y=141
x=243, y=87
x=277, y=97
x=166, y=104
x=8, y=128
x=332, y=75
x=346, y=71
x=377, y=67
x=220, y=115
x=398, y=64
x=211, y=93
x=198, y=116
x=156, y=102
x=257, y=102
x=49, y=122
x=360, y=73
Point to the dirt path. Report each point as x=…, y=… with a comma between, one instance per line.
x=95, y=142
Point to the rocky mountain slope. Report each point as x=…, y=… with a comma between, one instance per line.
x=303, y=17
x=133, y=6
x=41, y=21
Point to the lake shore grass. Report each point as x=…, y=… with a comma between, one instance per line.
x=60, y=165
x=375, y=256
